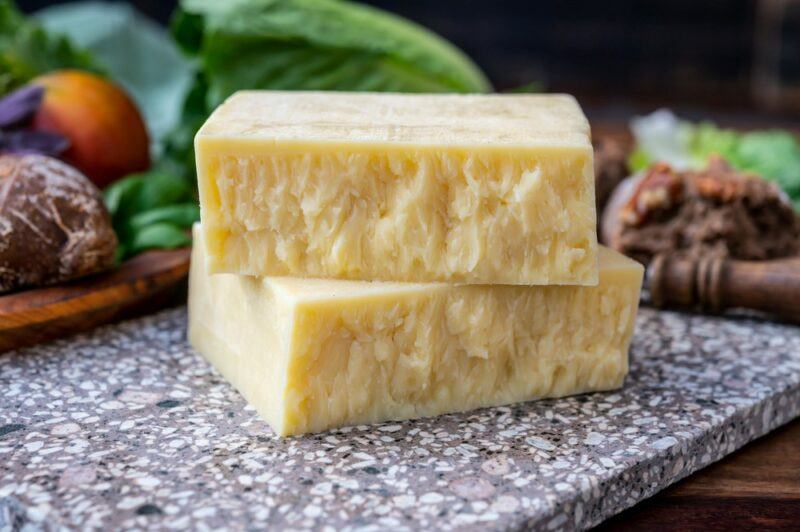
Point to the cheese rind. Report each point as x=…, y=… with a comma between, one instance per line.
x=488, y=189
x=312, y=354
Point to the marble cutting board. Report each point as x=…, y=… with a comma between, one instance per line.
x=128, y=428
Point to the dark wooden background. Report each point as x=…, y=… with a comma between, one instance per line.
x=756, y=488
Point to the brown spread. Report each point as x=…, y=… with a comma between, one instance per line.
x=718, y=211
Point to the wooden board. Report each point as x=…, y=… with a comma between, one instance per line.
x=146, y=283
x=757, y=488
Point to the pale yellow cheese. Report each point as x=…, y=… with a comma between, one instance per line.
x=462, y=188
x=314, y=354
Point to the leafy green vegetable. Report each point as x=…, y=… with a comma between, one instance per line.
x=774, y=155
x=135, y=51
x=160, y=235
x=181, y=215
x=27, y=50
x=317, y=45
x=150, y=210
x=178, y=153
x=706, y=139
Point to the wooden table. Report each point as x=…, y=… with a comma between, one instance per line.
x=756, y=488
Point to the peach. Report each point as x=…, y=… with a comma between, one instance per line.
x=108, y=138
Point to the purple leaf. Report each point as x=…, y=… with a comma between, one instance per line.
x=33, y=142
x=20, y=106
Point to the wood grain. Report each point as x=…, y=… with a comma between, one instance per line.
x=146, y=283
x=756, y=488
x=713, y=284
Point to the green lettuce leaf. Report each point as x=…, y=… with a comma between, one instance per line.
x=773, y=154
x=317, y=45
x=706, y=139
x=154, y=209
x=28, y=50
x=159, y=236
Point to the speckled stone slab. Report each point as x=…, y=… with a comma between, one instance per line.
x=129, y=428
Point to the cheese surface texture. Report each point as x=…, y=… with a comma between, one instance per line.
x=314, y=354
x=487, y=189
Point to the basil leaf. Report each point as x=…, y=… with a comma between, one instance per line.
x=160, y=189
x=144, y=191
x=178, y=156
x=26, y=141
x=187, y=30
x=120, y=192
x=18, y=108
x=181, y=215
x=161, y=236
x=150, y=199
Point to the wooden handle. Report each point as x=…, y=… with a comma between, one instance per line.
x=715, y=284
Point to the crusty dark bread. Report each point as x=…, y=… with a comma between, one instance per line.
x=54, y=225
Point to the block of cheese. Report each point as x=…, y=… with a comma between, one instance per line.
x=480, y=189
x=313, y=354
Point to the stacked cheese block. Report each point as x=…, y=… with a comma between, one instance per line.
x=368, y=257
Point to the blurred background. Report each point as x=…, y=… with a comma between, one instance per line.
x=738, y=58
